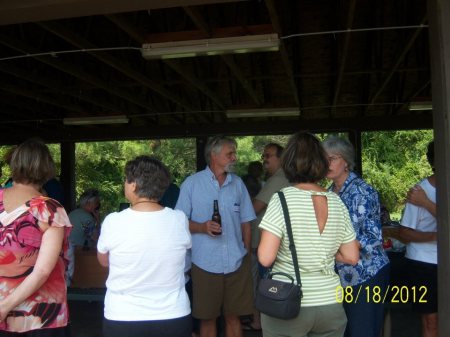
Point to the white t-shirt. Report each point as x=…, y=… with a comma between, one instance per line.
x=419, y=219
x=147, y=252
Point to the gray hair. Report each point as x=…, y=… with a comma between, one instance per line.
x=215, y=144
x=341, y=147
x=88, y=196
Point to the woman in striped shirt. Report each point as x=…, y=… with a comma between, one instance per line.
x=322, y=233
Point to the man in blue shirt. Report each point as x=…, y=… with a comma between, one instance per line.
x=221, y=276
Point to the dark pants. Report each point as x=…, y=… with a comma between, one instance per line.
x=55, y=332
x=178, y=327
x=365, y=317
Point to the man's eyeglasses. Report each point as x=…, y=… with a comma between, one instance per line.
x=267, y=155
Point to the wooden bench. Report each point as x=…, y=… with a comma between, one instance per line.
x=89, y=277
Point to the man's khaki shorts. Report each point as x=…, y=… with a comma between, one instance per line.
x=230, y=294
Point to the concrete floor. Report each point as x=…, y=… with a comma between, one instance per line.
x=86, y=321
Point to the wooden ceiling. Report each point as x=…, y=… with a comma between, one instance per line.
x=343, y=64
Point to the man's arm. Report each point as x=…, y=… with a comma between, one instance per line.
x=411, y=235
x=417, y=196
x=247, y=236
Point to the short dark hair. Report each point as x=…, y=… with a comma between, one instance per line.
x=32, y=163
x=151, y=176
x=278, y=147
x=430, y=154
x=304, y=160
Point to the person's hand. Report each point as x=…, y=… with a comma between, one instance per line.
x=417, y=196
x=4, y=310
x=212, y=227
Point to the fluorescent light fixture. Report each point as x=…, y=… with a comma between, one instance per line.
x=250, y=113
x=419, y=106
x=209, y=47
x=119, y=119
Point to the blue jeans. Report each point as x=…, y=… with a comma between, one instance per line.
x=365, y=317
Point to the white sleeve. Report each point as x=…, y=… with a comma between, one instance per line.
x=103, y=240
x=410, y=216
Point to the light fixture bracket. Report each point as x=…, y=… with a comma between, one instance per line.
x=208, y=47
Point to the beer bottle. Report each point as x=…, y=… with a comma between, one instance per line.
x=216, y=216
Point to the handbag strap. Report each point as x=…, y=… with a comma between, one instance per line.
x=291, y=237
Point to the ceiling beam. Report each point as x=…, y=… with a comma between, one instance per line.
x=411, y=97
x=343, y=57
x=41, y=98
x=56, y=87
x=116, y=63
x=283, y=51
x=198, y=19
x=75, y=71
x=129, y=132
x=397, y=63
x=139, y=36
x=12, y=12
x=135, y=33
x=228, y=59
x=205, y=33
x=176, y=66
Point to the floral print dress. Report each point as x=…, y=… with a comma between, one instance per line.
x=363, y=205
x=21, y=232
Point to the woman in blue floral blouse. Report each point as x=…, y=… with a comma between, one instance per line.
x=365, y=317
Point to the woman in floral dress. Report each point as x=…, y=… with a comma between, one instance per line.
x=371, y=274
x=33, y=244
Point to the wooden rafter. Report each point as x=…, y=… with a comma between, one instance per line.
x=283, y=51
x=343, y=57
x=234, y=68
x=114, y=62
x=55, y=86
x=75, y=72
x=396, y=64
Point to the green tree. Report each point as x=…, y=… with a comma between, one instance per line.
x=394, y=161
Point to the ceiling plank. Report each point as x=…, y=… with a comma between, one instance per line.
x=232, y=65
x=343, y=58
x=411, y=97
x=139, y=36
x=75, y=71
x=201, y=33
x=135, y=33
x=397, y=63
x=283, y=51
x=41, y=98
x=12, y=12
x=229, y=61
x=190, y=77
x=198, y=19
x=112, y=61
x=55, y=86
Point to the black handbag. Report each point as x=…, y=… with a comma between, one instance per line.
x=276, y=298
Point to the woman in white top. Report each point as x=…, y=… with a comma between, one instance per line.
x=322, y=233
x=419, y=230
x=145, y=248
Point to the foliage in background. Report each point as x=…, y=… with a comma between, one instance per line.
x=101, y=165
x=392, y=162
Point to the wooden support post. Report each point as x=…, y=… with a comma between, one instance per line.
x=200, y=143
x=439, y=32
x=68, y=174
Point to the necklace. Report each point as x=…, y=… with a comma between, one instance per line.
x=148, y=201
